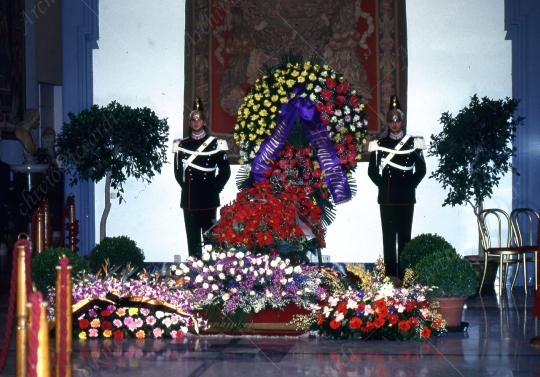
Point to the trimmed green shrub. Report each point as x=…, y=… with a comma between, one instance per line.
x=451, y=274
x=119, y=251
x=44, y=266
x=421, y=246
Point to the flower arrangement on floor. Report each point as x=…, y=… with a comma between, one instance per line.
x=378, y=310
x=230, y=286
x=264, y=221
x=120, y=304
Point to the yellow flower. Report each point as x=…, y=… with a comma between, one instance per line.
x=312, y=77
x=257, y=96
x=295, y=73
x=293, y=95
x=316, y=68
x=95, y=323
x=361, y=106
x=290, y=83
x=268, y=103
x=252, y=137
x=304, y=73
x=254, y=116
x=241, y=161
x=326, y=67
x=133, y=311
x=307, y=65
x=273, y=109
x=107, y=333
x=82, y=335
x=301, y=79
x=343, y=130
x=284, y=100
x=250, y=102
x=274, y=98
x=316, y=165
x=263, y=113
x=236, y=137
x=140, y=334
x=246, y=112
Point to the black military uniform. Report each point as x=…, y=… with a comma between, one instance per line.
x=195, y=166
x=396, y=167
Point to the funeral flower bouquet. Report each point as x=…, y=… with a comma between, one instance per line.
x=378, y=310
x=230, y=286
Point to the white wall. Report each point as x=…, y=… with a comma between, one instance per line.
x=455, y=49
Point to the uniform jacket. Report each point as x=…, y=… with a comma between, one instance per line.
x=200, y=189
x=397, y=186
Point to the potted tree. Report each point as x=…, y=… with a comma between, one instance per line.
x=114, y=142
x=452, y=278
x=420, y=246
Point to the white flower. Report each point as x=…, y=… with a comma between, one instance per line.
x=178, y=272
x=238, y=277
x=222, y=255
x=255, y=273
x=198, y=279
x=283, y=281
x=299, y=292
x=205, y=285
x=241, y=263
x=219, y=267
x=187, y=278
x=205, y=269
x=307, y=290
x=252, y=293
x=232, y=271
x=312, y=97
x=207, y=248
x=206, y=256
x=215, y=287
x=234, y=290
x=297, y=269
x=226, y=296
x=222, y=276
x=214, y=255
x=210, y=296
x=251, y=268
x=261, y=271
x=235, y=263
x=283, y=293
x=268, y=293
x=339, y=316
x=274, y=263
x=239, y=255
x=262, y=280
x=159, y=314
x=268, y=272
x=351, y=304
x=258, y=261
x=212, y=269
x=282, y=266
x=289, y=270
x=333, y=301
x=200, y=263
x=327, y=311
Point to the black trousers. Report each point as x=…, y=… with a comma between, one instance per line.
x=197, y=222
x=396, y=221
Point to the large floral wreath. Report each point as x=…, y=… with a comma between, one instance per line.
x=301, y=127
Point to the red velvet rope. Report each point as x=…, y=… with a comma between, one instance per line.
x=35, y=299
x=62, y=356
x=11, y=304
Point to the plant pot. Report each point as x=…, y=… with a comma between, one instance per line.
x=268, y=322
x=451, y=309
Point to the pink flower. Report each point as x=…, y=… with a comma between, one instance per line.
x=117, y=323
x=93, y=333
x=151, y=320
x=145, y=311
x=139, y=322
x=157, y=332
x=167, y=322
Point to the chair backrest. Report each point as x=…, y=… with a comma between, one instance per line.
x=494, y=227
x=525, y=225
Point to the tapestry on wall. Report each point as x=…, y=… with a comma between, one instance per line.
x=227, y=42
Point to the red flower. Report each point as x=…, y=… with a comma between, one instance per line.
x=343, y=87
x=324, y=195
x=282, y=164
x=353, y=100
x=319, y=106
x=105, y=313
x=83, y=323
x=437, y=322
x=118, y=334
x=340, y=100
x=309, y=190
x=355, y=323
x=379, y=322
x=335, y=324
x=340, y=148
x=341, y=307
x=320, y=319
x=413, y=321
x=330, y=108
x=330, y=82
x=326, y=94
x=106, y=325
x=325, y=119
x=404, y=325
x=409, y=306
x=393, y=318
x=426, y=332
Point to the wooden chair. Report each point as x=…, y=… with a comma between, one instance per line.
x=525, y=223
x=495, y=230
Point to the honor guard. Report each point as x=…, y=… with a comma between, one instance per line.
x=396, y=167
x=202, y=169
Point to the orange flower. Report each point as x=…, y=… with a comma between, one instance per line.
x=426, y=332
x=404, y=325
x=335, y=324
x=355, y=323
x=95, y=323
x=140, y=334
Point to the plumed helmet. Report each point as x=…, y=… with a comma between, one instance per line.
x=197, y=112
x=394, y=114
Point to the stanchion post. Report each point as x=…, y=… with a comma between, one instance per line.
x=63, y=319
x=43, y=367
x=21, y=337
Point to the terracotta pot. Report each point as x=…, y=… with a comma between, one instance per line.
x=451, y=309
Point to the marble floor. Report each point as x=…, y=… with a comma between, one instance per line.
x=496, y=343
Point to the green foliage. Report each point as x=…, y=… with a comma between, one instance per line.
x=420, y=246
x=119, y=251
x=44, y=264
x=116, y=139
x=450, y=274
x=475, y=149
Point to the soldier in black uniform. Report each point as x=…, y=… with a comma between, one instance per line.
x=202, y=169
x=396, y=167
